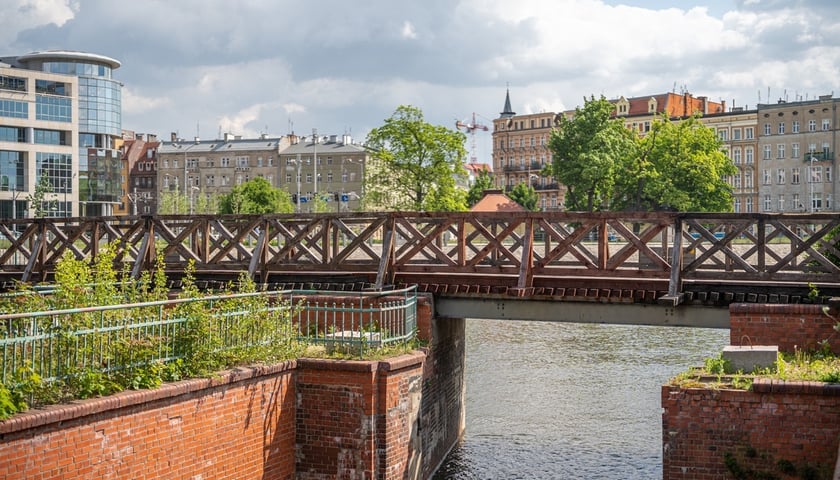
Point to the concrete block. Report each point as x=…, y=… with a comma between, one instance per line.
x=749, y=358
x=349, y=341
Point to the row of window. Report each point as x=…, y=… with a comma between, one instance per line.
x=749, y=134
x=817, y=203
x=522, y=142
x=345, y=177
x=781, y=149
x=812, y=126
x=56, y=109
x=16, y=84
x=812, y=175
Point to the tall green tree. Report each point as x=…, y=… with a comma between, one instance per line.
x=589, y=150
x=525, y=195
x=484, y=181
x=414, y=165
x=680, y=166
x=256, y=196
x=38, y=198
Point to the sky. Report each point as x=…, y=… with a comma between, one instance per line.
x=247, y=67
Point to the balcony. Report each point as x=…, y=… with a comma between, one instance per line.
x=823, y=156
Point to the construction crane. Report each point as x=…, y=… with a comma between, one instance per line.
x=470, y=128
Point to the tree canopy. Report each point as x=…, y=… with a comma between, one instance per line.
x=681, y=166
x=589, y=151
x=414, y=165
x=678, y=166
x=256, y=196
x=525, y=195
x=484, y=181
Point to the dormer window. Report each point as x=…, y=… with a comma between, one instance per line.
x=652, y=105
x=622, y=106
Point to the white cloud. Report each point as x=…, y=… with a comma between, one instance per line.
x=21, y=15
x=408, y=30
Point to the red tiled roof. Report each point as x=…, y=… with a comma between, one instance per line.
x=495, y=201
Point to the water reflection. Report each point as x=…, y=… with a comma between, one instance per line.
x=555, y=400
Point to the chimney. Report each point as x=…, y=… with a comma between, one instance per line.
x=197, y=140
x=346, y=139
x=333, y=138
x=173, y=137
x=228, y=137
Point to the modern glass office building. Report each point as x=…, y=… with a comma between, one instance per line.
x=77, y=104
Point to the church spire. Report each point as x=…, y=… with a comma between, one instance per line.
x=508, y=112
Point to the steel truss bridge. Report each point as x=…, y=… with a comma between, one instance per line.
x=629, y=257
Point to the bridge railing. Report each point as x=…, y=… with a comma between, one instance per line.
x=520, y=249
x=57, y=344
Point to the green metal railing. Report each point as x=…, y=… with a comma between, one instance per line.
x=56, y=344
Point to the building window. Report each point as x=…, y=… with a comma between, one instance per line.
x=795, y=126
x=816, y=201
x=12, y=134
x=723, y=135
x=794, y=175
x=766, y=176
x=749, y=155
x=767, y=129
x=767, y=152
x=288, y=178
x=308, y=178
x=780, y=176
x=224, y=162
x=781, y=202
x=737, y=205
x=647, y=126
x=826, y=124
x=14, y=109
x=736, y=134
x=812, y=125
x=767, y=203
x=815, y=174
x=16, y=84
x=737, y=179
x=748, y=179
x=781, y=128
x=749, y=134
x=749, y=204
x=794, y=150
x=828, y=174
x=780, y=151
x=795, y=203
x=57, y=109
x=736, y=155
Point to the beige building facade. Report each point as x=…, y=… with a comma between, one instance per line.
x=796, y=147
x=736, y=129
x=39, y=138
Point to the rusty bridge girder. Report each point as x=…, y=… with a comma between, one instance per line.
x=520, y=252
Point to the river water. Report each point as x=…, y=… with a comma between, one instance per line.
x=569, y=401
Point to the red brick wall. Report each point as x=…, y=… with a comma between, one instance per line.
x=788, y=326
x=793, y=425
x=358, y=419
x=307, y=419
x=238, y=425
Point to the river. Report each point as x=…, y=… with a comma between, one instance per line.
x=569, y=401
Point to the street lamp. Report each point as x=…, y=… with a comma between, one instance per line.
x=193, y=189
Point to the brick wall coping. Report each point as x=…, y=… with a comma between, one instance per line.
x=794, y=308
x=390, y=365
x=80, y=408
x=771, y=385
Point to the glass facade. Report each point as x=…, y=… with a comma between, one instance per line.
x=49, y=137
x=100, y=106
x=14, y=109
x=57, y=109
x=78, y=68
x=12, y=171
x=12, y=134
x=57, y=168
x=16, y=84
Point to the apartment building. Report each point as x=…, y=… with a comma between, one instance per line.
x=521, y=153
x=796, y=147
x=736, y=129
x=325, y=167
x=213, y=167
x=639, y=113
x=140, y=155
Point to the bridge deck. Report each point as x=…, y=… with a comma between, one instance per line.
x=524, y=253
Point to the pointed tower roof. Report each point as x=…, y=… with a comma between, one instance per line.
x=508, y=112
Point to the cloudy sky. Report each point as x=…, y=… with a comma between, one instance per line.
x=198, y=67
